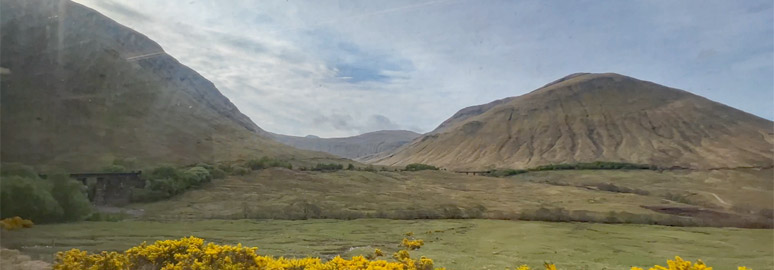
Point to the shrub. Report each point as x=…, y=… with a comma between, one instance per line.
x=16, y=169
x=28, y=198
x=412, y=244
x=266, y=162
x=420, y=167
x=166, y=181
x=239, y=170
x=71, y=196
x=164, y=172
x=598, y=165
x=15, y=223
x=506, y=172
x=59, y=198
x=680, y=264
x=217, y=173
x=192, y=253
x=195, y=176
x=327, y=167
x=168, y=186
x=613, y=188
x=350, y=167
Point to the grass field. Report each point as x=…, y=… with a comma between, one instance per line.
x=737, y=189
x=287, y=194
x=456, y=244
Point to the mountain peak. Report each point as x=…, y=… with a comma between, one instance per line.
x=587, y=117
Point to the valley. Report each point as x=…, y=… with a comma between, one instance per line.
x=109, y=141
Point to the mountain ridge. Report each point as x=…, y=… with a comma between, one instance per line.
x=594, y=117
x=354, y=147
x=83, y=90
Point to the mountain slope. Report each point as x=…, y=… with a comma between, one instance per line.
x=79, y=90
x=594, y=117
x=352, y=147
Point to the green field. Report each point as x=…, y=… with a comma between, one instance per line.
x=455, y=244
x=288, y=194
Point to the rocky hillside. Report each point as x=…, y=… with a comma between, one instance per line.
x=595, y=117
x=354, y=147
x=79, y=90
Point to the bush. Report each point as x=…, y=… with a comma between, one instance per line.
x=166, y=181
x=192, y=253
x=59, y=198
x=164, y=172
x=15, y=223
x=29, y=199
x=613, y=188
x=327, y=167
x=266, y=162
x=239, y=170
x=506, y=172
x=350, y=167
x=420, y=167
x=598, y=165
x=71, y=196
x=195, y=176
x=16, y=169
x=217, y=173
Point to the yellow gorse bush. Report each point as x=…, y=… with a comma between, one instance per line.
x=680, y=264
x=412, y=244
x=676, y=264
x=193, y=253
x=15, y=223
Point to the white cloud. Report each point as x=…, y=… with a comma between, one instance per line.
x=343, y=68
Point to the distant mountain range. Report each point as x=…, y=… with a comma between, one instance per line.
x=79, y=90
x=594, y=117
x=355, y=147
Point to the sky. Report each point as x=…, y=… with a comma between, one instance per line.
x=343, y=68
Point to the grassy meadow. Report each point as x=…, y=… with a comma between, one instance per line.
x=455, y=244
x=288, y=194
x=296, y=213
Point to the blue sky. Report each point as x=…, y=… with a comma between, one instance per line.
x=341, y=68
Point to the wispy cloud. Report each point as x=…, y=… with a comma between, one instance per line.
x=338, y=69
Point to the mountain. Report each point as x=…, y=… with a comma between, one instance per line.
x=80, y=90
x=594, y=117
x=354, y=147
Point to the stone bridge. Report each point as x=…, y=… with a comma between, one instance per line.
x=110, y=189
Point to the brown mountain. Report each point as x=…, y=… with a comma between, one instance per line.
x=354, y=147
x=595, y=117
x=79, y=90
